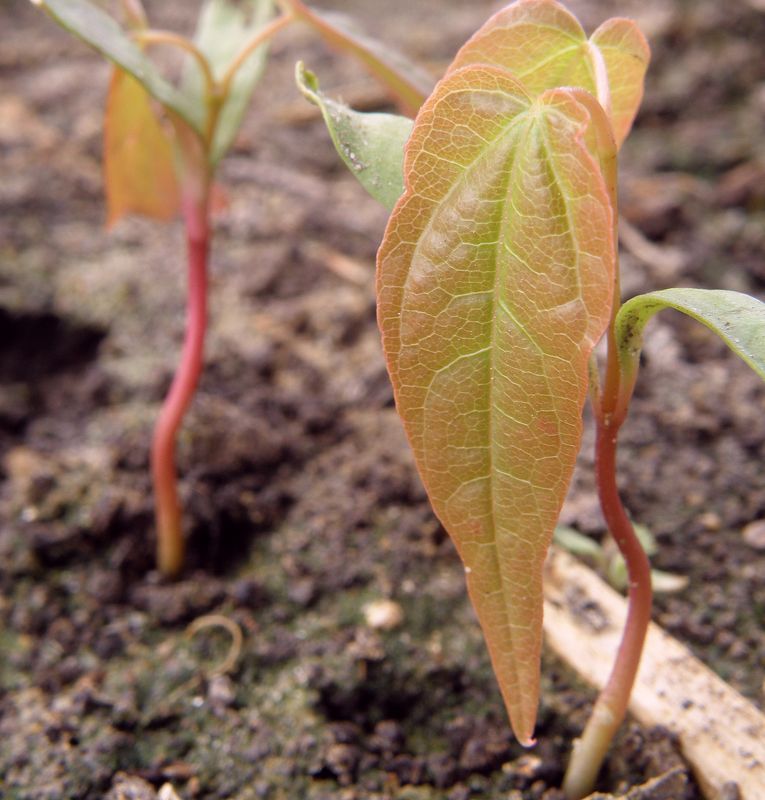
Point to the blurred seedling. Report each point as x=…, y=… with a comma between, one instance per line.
x=608, y=561
x=163, y=141
x=497, y=276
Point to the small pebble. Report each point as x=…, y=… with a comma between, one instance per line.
x=711, y=521
x=130, y=787
x=754, y=534
x=526, y=766
x=383, y=614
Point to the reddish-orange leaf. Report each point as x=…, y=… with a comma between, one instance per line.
x=545, y=47
x=495, y=281
x=139, y=167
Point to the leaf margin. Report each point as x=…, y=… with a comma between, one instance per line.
x=522, y=720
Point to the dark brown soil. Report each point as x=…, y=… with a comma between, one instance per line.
x=303, y=505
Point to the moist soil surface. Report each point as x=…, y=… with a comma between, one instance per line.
x=361, y=671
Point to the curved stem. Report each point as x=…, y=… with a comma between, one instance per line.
x=170, y=543
x=611, y=706
x=259, y=38
x=409, y=90
x=220, y=90
x=135, y=14
x=176, y=40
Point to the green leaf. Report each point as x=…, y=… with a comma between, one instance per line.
x=612, y=562
x=577, y=543
x=495, y=281
x=371, y=145
x=738, y=319
x=543, y=44
x=646, y=538
x=95, y=27
x=224, y=27
x=668, y=582
x=661, y=582
x=408, y=83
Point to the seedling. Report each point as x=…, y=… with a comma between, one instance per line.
x=497, y=276
x=607, y=559
x=163, y=143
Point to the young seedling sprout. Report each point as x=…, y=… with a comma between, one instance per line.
x=163, y=143
x=497, y=276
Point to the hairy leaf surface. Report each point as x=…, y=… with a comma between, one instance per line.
x=545, y=47
x=102, y=32
x=495, y=280
x=139, y=169
x=224, y=28
x=738, y=319
x=371, y=145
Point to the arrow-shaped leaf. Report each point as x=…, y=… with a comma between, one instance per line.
x=224, y=27
x=495, y=280
x=95, y=27
x=371, y=145
x=544, y=46
x=738, y=319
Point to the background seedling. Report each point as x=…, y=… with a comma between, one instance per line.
x=497, y=276
x=162, y=145
x=607, y=559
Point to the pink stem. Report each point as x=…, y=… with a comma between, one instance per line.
x=170, y=542
x=617, y=691
x=609, y=419
x=611, y=706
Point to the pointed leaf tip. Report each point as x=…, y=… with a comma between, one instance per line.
x=371, y=145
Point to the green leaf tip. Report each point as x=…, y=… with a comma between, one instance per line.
x=371, y=145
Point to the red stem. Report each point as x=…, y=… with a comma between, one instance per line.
x=170, y=543
x=610, y=415
x=619, y=687
x=611, y=706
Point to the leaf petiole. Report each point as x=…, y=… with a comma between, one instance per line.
x=158, y=37
x=258, y=39
x=408, y=84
